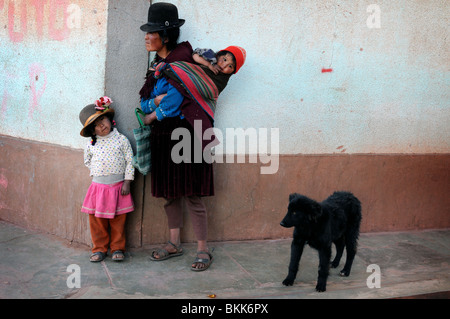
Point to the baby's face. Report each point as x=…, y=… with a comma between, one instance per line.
x=226, y=64
x=102, y=126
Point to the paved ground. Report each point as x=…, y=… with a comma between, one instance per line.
x=35, y=265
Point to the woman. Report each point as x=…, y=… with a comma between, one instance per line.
x=183, y=181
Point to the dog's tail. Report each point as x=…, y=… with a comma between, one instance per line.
x=354, y=220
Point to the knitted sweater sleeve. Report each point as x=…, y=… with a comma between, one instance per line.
x=128, y=155
x=87, y=156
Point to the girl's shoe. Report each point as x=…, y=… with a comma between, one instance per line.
x=97, y=257
x=118, y=255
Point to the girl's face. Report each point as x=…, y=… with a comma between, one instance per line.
x=153, y=42
x=102, y=126
x=226, y=64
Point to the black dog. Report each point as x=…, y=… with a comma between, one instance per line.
x=335, y=220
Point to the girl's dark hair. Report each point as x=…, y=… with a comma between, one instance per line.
x=171, y=35
x=94, y=139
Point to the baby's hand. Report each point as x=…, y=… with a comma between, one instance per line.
x=214, y=67
x=126, y=187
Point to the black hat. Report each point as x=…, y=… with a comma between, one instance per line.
x=162, y=16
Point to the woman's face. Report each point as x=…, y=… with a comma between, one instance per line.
x=102, y=126
x=153, y=42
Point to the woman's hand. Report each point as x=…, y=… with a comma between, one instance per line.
x=149, y=118
x=158, y=99
x=126, y=187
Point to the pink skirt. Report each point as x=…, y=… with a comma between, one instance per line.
x=106, y=201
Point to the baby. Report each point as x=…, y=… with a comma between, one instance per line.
x=165, y=100
x=224, y=61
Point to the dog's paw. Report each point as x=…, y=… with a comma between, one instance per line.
x=288, y=281
x=321, y=287
x=344, y=273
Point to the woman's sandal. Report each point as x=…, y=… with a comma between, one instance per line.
x=97, y=257
x=118, y=255
x=165, y=254
x=206, y=261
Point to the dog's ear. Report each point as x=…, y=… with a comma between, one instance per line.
x=292, y=196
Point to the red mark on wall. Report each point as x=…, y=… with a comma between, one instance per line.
x=326, y=70
x=17, y=36
x=341, y=148
x=36, y=74
x=57, y=18
x=61, y=32
x=39, y=8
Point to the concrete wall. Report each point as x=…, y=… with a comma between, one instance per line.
x=52, y=63
x=329, y=78
x=357, y=91
x=397, y=193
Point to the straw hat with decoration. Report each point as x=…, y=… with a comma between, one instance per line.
x=91, y=112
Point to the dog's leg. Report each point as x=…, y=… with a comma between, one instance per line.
x=340, y=243
x=351, y=252
x=351, y=243
x=324, y=265
x=296, y=253
x=351, y=236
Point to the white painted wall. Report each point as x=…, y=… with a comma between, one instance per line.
x=388, y=91
x=52, y=64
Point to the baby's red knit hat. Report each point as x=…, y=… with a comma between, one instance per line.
x=239, y=54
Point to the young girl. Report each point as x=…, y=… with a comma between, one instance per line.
x=108, y=155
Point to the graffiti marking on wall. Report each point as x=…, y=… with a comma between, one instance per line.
x=36, y=74
x=59, y=16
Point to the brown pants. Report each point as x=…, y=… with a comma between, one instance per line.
x=102, y=237
x=197, y=211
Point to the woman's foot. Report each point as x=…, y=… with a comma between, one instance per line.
x=168, y=251
x=202, y=261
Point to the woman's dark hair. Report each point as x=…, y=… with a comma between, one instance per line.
x=171, y=35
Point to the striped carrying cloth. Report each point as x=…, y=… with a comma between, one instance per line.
x=196, y=82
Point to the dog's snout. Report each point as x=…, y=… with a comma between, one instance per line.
x=285, y=224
